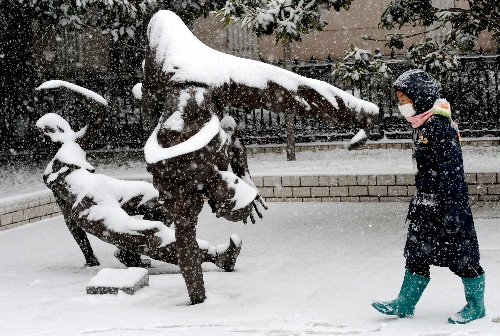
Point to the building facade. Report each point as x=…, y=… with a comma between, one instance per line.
x=344, y=29
x=91, y=52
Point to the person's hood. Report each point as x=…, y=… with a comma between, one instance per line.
x=420, y=87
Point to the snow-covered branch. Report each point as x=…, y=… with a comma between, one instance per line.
x=289, y=19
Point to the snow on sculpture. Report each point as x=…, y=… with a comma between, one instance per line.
x=185, y=88
x=105, y=206
x=176, y=57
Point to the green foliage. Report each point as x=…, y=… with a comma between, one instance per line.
x=402, y=12
x=435, y=58
x=360, y=65
x=394, y=41
x=465, y=42
x=289, y=19
x=465, y=25
x=121, y=19
x=190, y=10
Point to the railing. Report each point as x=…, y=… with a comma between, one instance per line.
x=475, y=95
x=473, y=91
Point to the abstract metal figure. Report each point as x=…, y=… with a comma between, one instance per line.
x=185, y=88
x=104, y=206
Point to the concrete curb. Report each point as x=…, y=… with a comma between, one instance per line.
x=259, y=148
x=483, y=187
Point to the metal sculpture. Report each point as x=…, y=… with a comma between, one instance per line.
x=104, y=206
x=185, y=88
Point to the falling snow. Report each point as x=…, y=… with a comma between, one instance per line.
x=305, y=269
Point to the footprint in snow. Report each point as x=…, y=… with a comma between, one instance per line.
x=316, y=328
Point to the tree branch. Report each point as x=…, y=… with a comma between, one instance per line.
x=411, y=35
x=485, y=11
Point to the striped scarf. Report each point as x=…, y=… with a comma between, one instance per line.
x=441, y=107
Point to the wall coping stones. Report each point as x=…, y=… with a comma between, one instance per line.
x=380, y=144
x=483, y=187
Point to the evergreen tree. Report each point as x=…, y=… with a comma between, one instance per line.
x=360, y=65
x=290, y=20
x=463, y=26
x=123, y=20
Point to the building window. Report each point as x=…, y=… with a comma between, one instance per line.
x=69, y=49
x=440, y=34
x=242, y=42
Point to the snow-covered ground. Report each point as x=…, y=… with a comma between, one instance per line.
x=22, y=178
x=305, y=269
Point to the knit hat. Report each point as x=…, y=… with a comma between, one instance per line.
x=420, y=87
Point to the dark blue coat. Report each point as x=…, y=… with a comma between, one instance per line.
x=441, y=230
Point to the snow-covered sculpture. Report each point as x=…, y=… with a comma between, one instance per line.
x=185, y=88
x=177, y=60
x=105, y=206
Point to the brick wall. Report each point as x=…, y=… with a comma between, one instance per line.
x=31, y=209
x=483, y=187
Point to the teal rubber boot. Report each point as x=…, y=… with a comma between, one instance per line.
x=411, y=291
x=474, y=295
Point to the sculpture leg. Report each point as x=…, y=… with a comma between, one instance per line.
x=223, y=255
x=130, y=259
x=184, y=210
x=79, y=235
x=189, y=258
x=83, y=242
x=151, y=210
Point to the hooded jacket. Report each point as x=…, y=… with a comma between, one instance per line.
x=441, y=230
x=420, y=87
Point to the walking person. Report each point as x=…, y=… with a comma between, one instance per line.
x=441, y=227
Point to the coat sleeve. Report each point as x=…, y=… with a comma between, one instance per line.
x=453, y=193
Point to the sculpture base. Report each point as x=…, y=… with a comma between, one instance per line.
x=110, y=281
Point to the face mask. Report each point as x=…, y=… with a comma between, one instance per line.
x=407, y=110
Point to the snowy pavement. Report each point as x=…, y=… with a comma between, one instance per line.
x=305, y=269
x=21, y=178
